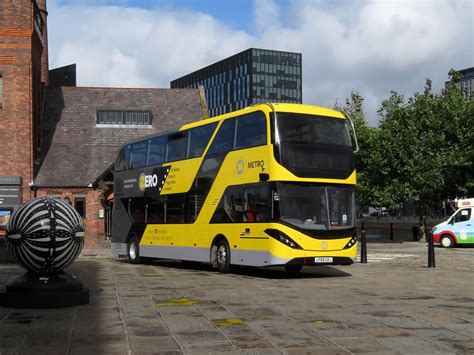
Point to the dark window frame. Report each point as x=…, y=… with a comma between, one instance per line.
x=82, y=199
x=1, y=89
x=127, y=117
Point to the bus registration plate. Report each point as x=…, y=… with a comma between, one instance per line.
x=323, y=259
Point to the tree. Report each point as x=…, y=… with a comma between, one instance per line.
x=424, y=150
x=353, y=108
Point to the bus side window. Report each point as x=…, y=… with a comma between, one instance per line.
x=199, y=138
x=157, y=150
x=224, y=140
x=256, y=205
x=251, y=130
x=137, y=210
x=138, y=155
x=176, y=148
x=175, y=208
x=156, y=213
x=121, y=163
x=230, y=208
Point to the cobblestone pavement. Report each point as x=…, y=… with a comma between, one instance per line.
x=394, y=304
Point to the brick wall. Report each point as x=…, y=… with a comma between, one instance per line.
x=20, y=64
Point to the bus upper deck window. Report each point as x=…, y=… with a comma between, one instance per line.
x=199, y=138
x=157, y=150
x=138, y=155
x=177, y=144
x=121, y=163
x=251, y=130
x=224, y=140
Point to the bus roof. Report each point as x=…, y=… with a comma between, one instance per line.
x=279, y=107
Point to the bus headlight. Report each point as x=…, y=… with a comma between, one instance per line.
x=351, y=242
x=282, y=238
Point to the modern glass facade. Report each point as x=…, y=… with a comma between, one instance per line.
x=467, y=81
x=247, y=78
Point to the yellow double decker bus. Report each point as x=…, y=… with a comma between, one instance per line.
x=272, y=184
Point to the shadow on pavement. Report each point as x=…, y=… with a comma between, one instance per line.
x=72, y=330
x=273, y=272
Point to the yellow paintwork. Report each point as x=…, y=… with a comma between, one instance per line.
x=229, y=322
x=181, y=176
x=243, y=167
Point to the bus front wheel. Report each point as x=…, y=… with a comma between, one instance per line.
x=133, y=250
x=223, y=256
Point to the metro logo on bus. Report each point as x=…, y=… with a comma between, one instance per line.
x=147, y=181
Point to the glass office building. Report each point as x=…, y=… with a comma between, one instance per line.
x=466, y=84
x=252, y=76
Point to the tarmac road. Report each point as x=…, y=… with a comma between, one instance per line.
x=392, y=305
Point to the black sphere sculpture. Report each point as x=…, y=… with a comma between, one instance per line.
x=44, y=236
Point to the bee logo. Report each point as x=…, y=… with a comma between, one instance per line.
x=239, y=167
x=141, y=182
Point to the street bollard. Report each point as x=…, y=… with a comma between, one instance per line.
x=431, y=252
x=415, y=231
x=363, y=247
x=391, y=231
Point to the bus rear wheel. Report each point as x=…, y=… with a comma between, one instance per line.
x=223, y=256
x=133, y=250
x=447, y=241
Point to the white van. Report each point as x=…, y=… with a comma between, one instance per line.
x=459, y=228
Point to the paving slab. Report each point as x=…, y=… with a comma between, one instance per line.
x=392, y=305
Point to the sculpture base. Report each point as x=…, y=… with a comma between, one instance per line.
x=33, y=290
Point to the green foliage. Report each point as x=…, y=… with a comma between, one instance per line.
x=353, y=108
x=422, y=151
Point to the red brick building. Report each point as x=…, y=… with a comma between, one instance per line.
x=60, y=139
x=23, y=48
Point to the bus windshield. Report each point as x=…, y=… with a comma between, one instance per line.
x=317, y=207
x=313, y=146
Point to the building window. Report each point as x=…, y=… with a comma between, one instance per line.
x=80, y=205
x=1, y=89
x=123, y=118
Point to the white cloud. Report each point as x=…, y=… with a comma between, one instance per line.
x=370, y=46
x=266, y=15
x=119, y=46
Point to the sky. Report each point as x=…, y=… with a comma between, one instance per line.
x=369, y=46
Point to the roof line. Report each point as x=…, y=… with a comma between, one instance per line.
x=116, y=88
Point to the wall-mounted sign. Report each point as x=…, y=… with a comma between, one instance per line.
x=10, y=191
x=10, y=180
x=9, y=196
